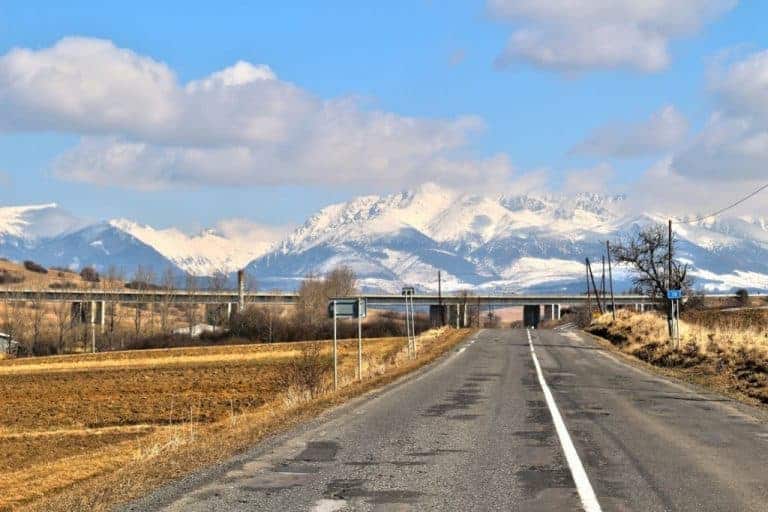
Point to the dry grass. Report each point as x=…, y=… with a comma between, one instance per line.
x=729, y=359
x=90, y=431
x=36, y=280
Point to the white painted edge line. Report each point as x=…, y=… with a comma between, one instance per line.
x=586, y=493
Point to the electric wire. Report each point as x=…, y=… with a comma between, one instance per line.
x=723, y=210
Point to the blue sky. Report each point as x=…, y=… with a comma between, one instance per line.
x=411, y=60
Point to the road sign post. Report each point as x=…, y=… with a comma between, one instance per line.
x=674, y=297
x=335, y=355
x=410, y=329
x=347, y=308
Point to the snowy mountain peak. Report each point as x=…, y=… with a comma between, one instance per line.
x=32, y=222
x=203, y=254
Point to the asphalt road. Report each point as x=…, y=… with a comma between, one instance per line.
x=475, y=432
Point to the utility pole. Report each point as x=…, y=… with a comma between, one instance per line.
x=610, y=278
x=597, y=295
x=335, y=351
x=602, y=281
x=670, y=311
x=359, y=339
x=440, y=297
x=589, y=296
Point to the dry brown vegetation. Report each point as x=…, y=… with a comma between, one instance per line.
x=85, y=432
x=724, y=351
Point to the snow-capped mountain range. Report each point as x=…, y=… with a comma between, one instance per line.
x=493, y=243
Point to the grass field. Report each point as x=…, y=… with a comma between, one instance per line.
x=83, y=432
x=725, y=352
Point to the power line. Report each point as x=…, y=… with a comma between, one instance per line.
x=722, y=210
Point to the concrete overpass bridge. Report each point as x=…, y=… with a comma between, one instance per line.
x=278, y=298
x=90, y=304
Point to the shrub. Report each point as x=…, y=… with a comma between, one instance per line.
x=35, y=267
x=90, y=275
x=64, y=285
x=306, y=372
x=742, y=297
x=142, y=285
x=7, y=277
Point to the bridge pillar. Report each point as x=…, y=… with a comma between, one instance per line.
x=241, y=290
x=100, y=309
x=552, y=311
x=79, y=313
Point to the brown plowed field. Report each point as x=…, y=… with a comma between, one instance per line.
x=118, y=418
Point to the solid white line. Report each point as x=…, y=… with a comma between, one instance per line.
x=586, y=493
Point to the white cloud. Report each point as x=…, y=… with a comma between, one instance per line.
x=85, y=85
x=577, y=35
x=594, y=179
x=665, y=190
x=239, y=126
x=248, y=231
x=664, y=130
x=734, y=143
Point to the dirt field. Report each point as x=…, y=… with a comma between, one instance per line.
x=100, y=428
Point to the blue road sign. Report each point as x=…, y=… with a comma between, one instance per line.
x=674, y=294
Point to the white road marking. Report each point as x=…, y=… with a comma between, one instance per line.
x=462, y=349
x=586, y=493
x=328, y=505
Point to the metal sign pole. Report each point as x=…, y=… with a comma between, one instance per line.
x=335, y=356
x=411, y=336
x=359, y=340
x=413, y=326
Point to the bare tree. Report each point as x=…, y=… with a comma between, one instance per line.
x=315, y=292
x=62, y=314
x=168, y=283
x=12, y=321
x=341, y=282
x=114, y=280
x=217, y=283
x=36, y=318
x=647, y=254
x=191, y=308
x=142, y=280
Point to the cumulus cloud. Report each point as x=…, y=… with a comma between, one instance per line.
x=577, y=35
x=239, y=126
x=734, y=143
x=663, y=131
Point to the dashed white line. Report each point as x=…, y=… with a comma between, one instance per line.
x=586, y=493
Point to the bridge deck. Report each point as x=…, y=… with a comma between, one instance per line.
x=224, y=297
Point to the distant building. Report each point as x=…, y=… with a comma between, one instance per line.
x=198, y=330
x=7, y=345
